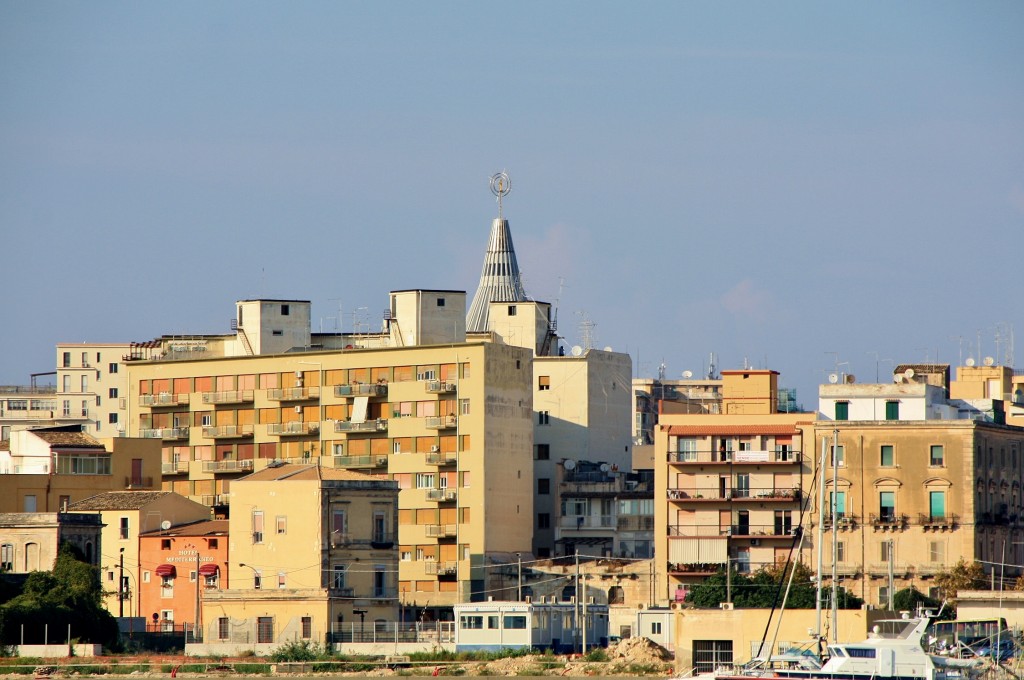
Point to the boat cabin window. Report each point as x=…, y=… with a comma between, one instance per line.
x=861, y=652
x=837, y=651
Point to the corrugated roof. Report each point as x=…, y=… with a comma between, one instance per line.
x=119, y=500
x=712, y=430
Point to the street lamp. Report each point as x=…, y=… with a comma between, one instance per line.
x=255, y=575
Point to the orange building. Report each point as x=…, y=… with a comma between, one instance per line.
x=178, y=565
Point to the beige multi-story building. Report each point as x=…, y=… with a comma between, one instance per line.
x=918, y=481
x=30, y=541
x=47, y=469
x=450, y=420
x=729, y=485
x=91, y=387
x=313, y=548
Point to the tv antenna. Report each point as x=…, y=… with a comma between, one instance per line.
x=500, y=186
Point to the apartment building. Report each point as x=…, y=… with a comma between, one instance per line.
x=729, y=486
x=91, y=387
x=918, y=480
x=47, y=469
x=315, y=547
x=449, y=420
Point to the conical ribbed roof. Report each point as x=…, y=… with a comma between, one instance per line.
x=499, y=280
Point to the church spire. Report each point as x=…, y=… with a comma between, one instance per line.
x=500, y=280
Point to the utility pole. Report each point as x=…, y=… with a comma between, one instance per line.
x=576, y=608
x=835, y=540
x=519, y=595
x=120, y=587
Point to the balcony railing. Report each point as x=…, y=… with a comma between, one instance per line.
x=587, y=522
x=163, y=399
x=293, y=428
x=635, y=523
x=441, y=494
x=887, y=521
x=227, y=465
x=360, y=461
x=441, y=530
x=738, y=457
x=690, y=530
x=361, y=390
x=440, y=386
x=441, y=568
x=228, y=397
x=227, y=431
x=844, y=521
x=138, y=482
x=378, y=425
x=441, y=458
x=761, y=531
x=293, y=394
x=215, y=499
x=165, y=433
x=929, y=521
x=342, y=592
x=716, y=494
x=441, y=422
x=177, y=468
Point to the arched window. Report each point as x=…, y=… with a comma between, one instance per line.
x=7, y=557
x=616, y=595
x=31, y=557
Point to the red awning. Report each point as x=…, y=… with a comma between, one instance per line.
x=208, y=569
x=165, y=570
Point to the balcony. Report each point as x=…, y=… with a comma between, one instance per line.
x=433, y=568
x=441, y=530
x=165, y=433
x=437, y=458
x=293, y=428
x=587, y=522
x=378, y=425
x=761, y=457
x=163, y=399
x=938, y=522
x=294, y=394
x=227, y=431
x=342, y=592
x=228, y=397
x=888, y=522
x=702, y=569
x=216, y=499
x=758, y=531
x=227, y=465
x=635, y=523
x=440, y=386
x=441, y=422
x=177, y=468
x=844, y=522
x=138, y=482
x=694, y=530
x=442, y=495
x=361, y=390
x=360, y=461
x=715, y=494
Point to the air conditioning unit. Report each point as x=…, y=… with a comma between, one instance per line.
x=755, y=542
x=298, y=409
x=435, y=448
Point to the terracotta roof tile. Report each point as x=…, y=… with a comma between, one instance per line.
x=75, y=439
x=119, y=500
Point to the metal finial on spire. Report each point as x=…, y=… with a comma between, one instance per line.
x=500, y=186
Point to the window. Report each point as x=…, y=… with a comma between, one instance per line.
x=543, y=418
x=307, y=624
x=112, y=418
x=544, y=382
x=66, y=407
x=264, y=629
x=839, y=500
x=655, y=627
x=85, y=383
x=687, y=448
x=838, y=456
x=936, y=552
x=440, y=302
x=511, y=310
x=257, y=526
x=937, y=505
x=471, y=622
x=883, y=596
x=492, y=622
x=405, y=556
x=282, y=524
x=543, y=520
x=710, y=654
x=213, y=544
x=125, y=531
x=339, y=524
x=277, y=333
x=281, y=579
x=842, y=410
x=338, y=580
x=285, y=310
x=543, y=486
x=112, y=368
x=892, y=410
x=888, y=551
x=543, y=452
x=257, y=579
x=938, y=456
x=424, y=480
x=887, y=505
x=17, y=404
x=7, y=557
x=85, y=358
x=165, y=544
x=66, y=361
x=840, y=552
x=886, y=459
x=29, y=504
x=112, y=393
x=222, y=628
x=514, y=622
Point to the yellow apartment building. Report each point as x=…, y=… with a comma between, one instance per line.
x=449, y=420
x=728, y=486
x=91, y=387
x=312, y=549
x=47, y=469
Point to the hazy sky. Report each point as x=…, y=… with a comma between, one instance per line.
x=769, y=181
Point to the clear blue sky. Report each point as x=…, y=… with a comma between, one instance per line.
x=773, y=181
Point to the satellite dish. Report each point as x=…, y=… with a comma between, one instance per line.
x=577, y=350
x=569, y=464
x=897, y=378
x=833, y=378
x=989, y=361
x=605, y=467
x=165, y=525
x=908, y=374
x=969, y=362
x=608, y=348
x=687, y=374
x=850, y=378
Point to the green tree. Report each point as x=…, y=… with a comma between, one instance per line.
x=909, y=599
x=761, y=589
x=961, y=576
